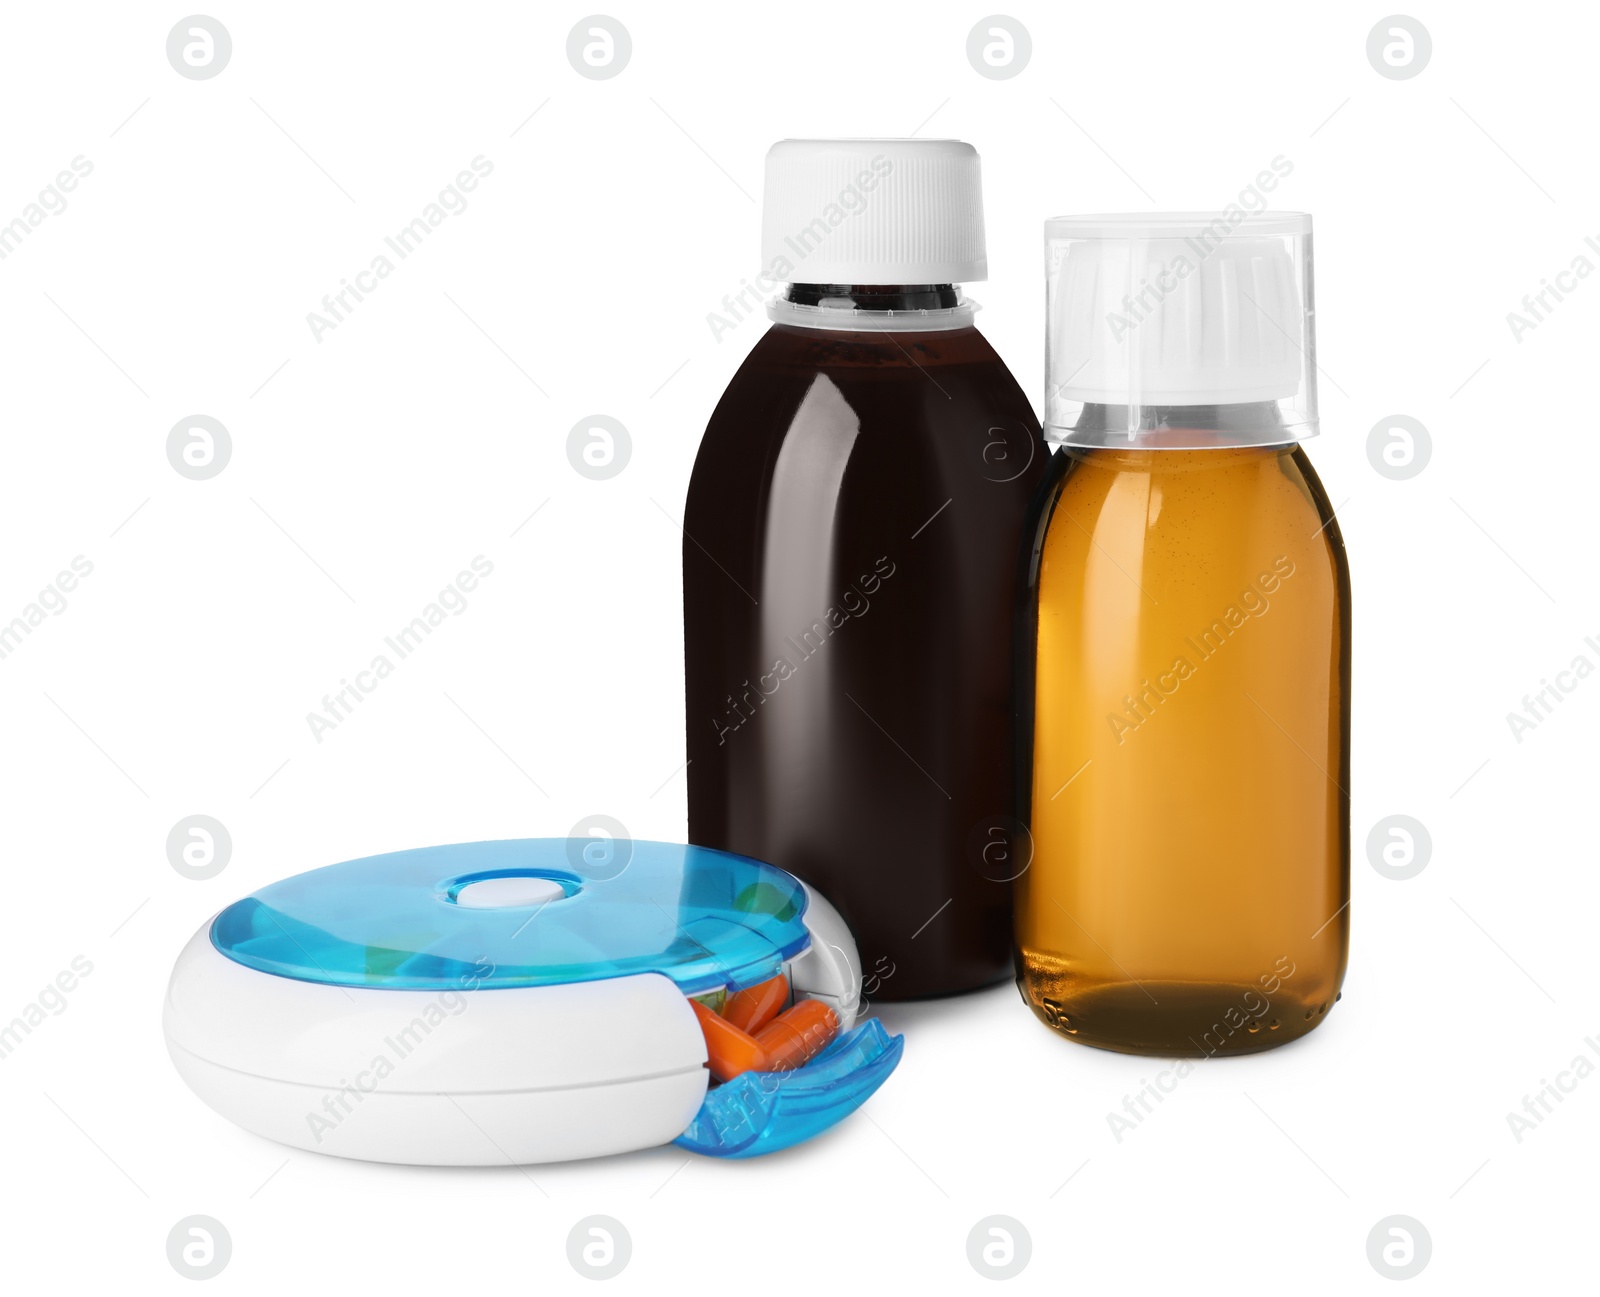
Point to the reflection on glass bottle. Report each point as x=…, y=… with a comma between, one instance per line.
x=849, y=564
x=1186, y=656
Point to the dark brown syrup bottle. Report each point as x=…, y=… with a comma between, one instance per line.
x=850, y=577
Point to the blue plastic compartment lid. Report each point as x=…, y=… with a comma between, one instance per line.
x=605, y=908
x=762, y=1112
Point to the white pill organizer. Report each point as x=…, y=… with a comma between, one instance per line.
x=519, y=1001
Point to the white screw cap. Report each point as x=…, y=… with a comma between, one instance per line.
x=874, y=211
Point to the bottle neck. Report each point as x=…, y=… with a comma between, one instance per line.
x=1232, y=425
x=875, y=297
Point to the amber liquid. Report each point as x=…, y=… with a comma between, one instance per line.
x=850, y=575
x=1190, y=713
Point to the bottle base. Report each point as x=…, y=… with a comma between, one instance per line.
x=1175, y=1019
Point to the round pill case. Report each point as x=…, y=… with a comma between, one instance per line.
x=517, y=1001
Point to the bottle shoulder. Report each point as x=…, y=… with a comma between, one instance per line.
x=786, y=345
x=888, y=384
x=1190, y=506
x=895, y=409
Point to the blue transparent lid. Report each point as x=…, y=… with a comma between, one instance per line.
x=523, y=912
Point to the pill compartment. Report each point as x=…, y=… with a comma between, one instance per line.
x=784, y=1067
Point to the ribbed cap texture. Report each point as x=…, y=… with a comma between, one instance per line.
x=1126, y=327
x=873, y=212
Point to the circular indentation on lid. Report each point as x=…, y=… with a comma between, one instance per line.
x=510, y=890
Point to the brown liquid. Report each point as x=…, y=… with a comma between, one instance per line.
x=850, y=576
x=1190, y=880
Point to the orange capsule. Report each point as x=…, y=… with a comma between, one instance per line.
x=797, y=1036
x=754, y=1007
x=729, y=1050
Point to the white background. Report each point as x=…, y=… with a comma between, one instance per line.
x=370, y=466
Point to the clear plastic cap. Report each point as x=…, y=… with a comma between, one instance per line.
x=1180, y=330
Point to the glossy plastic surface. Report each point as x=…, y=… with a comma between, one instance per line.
x=763, y=1112
x=1152, y=315
x=852, y=530
x=1190, y=732
x=700, y=917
